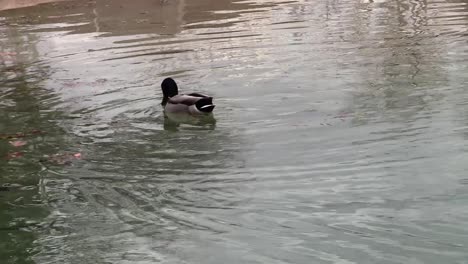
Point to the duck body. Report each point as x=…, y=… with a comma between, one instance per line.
x=192, y=103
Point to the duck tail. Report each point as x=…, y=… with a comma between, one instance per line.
x=205, y=105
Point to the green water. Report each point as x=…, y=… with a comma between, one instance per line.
x=25, y=115
x=340, y=134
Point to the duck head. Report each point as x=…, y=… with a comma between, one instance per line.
x=169, y=89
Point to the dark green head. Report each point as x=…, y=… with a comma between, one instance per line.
x=169, y=89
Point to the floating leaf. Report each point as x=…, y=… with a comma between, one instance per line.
x=18, y=143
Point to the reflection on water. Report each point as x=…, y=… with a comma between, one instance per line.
x=172, y=121
x=25, y=116
x=12, y=4
x=339, y=134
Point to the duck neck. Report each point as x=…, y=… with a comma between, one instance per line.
x=164, y=100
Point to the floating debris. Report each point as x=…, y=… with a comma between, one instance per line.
x=18, y=143
x=14, y=155
x=61, y=158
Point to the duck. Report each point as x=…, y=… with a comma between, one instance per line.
x=195, y=104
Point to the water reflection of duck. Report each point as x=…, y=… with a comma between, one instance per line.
x=193, y=108
x=172, y=121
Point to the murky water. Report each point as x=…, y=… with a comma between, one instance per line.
x=340, y=137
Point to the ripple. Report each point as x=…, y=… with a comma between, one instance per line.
x=339, y=134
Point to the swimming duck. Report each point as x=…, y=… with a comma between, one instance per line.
x=192, y=103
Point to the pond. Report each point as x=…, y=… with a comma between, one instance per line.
x=340, y=136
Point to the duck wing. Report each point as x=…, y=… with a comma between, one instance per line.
x=185, y=99
x=203, y=98
x=198, y=95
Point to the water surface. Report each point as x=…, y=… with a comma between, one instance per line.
x=340, y=136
